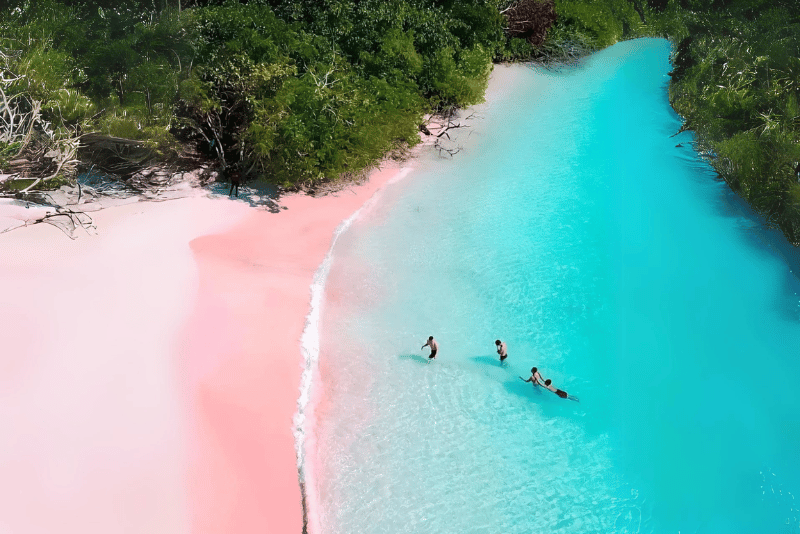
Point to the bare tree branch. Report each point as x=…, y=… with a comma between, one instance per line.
x=530, y=19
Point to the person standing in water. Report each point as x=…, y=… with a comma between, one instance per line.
x=434, y=347
x=563, y=394
x=536, y=378
x=502, y=350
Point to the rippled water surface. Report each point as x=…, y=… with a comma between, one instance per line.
x=572, y=227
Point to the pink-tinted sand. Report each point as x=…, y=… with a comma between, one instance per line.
x=149, y=375
x=94, y=433
x=254, y=298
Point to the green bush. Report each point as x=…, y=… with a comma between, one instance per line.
x=736, y=83
x=328, y=88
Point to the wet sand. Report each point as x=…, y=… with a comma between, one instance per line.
x=254, y=297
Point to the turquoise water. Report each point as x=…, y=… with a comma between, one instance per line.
x=572, y=227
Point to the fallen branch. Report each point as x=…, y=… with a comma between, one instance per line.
x=450, y=151
x=75, y=219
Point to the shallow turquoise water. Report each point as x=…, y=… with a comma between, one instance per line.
x=572, y=227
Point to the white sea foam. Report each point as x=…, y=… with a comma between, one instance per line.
x=575, y=231
x=309, y=347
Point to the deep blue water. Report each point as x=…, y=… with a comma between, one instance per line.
x=573, y=228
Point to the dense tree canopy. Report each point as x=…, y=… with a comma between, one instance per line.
x=737, y=83
x=289, y=91
x=296, y=91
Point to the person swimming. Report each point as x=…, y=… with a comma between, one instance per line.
x=536, y=378
x=561, y=393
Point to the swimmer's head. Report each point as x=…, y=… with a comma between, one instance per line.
x=548, y=382
x=533, y=369
x=497, y=342
x=430, y=338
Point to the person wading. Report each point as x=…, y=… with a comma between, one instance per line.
x=536, y=378
x=434, y=347
x=502, y=350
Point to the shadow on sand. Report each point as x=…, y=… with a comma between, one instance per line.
x=256, y=194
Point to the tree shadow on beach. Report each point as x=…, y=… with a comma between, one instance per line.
x=256, y=194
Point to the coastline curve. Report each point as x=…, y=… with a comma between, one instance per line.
x=310, y=348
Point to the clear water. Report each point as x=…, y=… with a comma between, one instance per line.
x=573, y=228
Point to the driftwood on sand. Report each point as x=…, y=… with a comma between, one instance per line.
x=68, y=208
x=439, y=125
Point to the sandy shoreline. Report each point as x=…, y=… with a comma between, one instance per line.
x=151, y=372
x=245, y=393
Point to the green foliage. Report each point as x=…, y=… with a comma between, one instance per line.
x=413, y=40
x=583, y=26
x=460, y=83
x=737, y=83
x=313, y=90
x=68, y=107
x=290, y=90
x=119, y=66
x=18, y=184
x=282, y=104
x=335, y=126
x=7, y=152
x=42, y=71
x=598, y=23
x=305, y=90
x=592, y=20
x=515, y=50
x=396, y=57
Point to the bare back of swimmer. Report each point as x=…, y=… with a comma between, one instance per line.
x=561, y=393
x=536, y=378
x=434, y=347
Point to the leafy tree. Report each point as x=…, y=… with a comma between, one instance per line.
x=735, y=82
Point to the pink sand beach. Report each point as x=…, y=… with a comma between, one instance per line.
x=149, y=374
